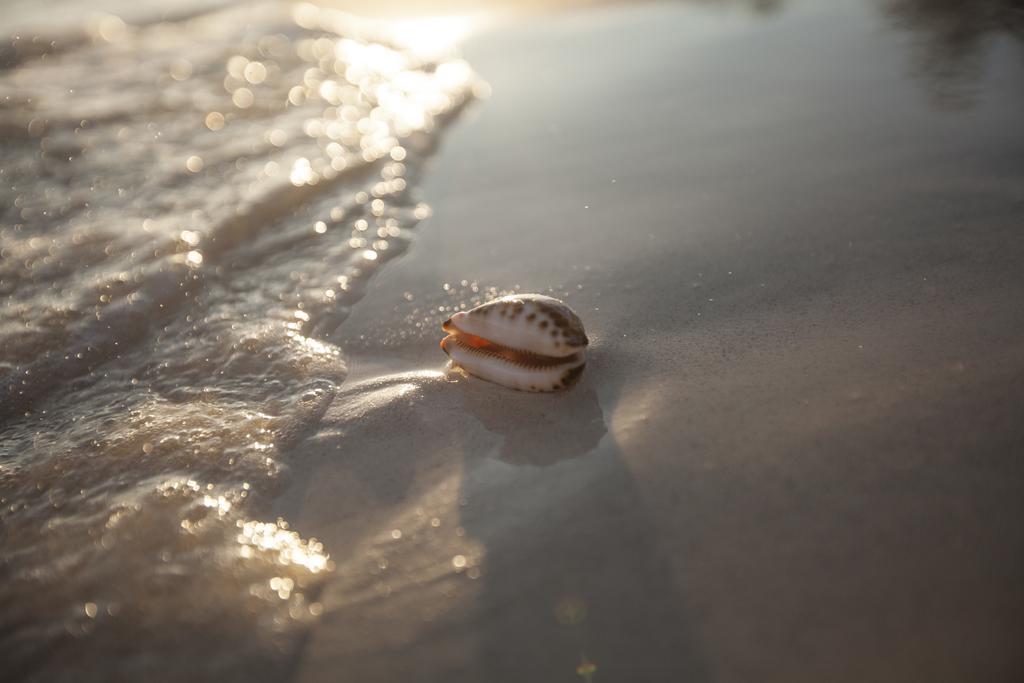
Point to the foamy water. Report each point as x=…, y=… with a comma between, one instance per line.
x=189, y=210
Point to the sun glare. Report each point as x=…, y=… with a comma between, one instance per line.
x=434, y=36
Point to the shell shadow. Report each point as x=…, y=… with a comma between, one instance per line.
x=537, y=430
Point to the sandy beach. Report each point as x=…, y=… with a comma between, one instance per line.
x=793, y=453
x=792, y=230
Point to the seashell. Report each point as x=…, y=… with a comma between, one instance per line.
x=528, y=342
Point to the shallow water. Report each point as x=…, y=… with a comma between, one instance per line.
x=190, y=209
x=230, y=446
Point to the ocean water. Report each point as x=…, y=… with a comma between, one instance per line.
x=190, y=207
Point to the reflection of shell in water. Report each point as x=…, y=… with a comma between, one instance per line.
x=528, y=342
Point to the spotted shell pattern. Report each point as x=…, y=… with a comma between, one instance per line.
x=542, y=342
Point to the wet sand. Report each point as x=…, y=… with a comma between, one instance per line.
x=794, y=454
x=791, y=228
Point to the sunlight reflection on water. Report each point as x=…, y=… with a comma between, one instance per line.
x=191, y=208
